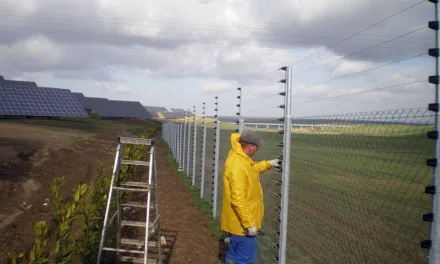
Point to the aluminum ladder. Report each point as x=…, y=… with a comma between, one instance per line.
x=132, y=250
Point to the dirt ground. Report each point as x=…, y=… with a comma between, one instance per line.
x=193, y=243
x=33, y=152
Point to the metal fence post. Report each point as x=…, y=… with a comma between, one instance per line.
x=174, y=136
x=184, y=146
x=240, y=125
x=432, y=245
x=202, y=161
x=285, y=166
x=216, y=162
x=194, y=154
x=180, y=145
x=175, y=141
x=202, y=174
x=188, y=156
x=240, y=129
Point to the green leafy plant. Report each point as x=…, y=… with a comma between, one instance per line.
x=91, y=217
x=38, y=253
x=15, y=258
x=84, y=210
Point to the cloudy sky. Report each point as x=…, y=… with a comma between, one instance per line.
x=181, y=53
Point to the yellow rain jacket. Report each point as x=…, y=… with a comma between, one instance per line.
x=242, y=205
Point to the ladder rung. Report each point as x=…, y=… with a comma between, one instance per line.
x=135, y=223
x=136, y=141
x=137, y=260
x=137, y=242
x=136, y=184
x=138, y=205
x=131, y=189
x=133, y=251
x=135, y=162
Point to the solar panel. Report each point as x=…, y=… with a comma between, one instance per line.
x=177, y=110
x=153, y=110
x=128, y=109
x=20, y=83
x=82, y=100
x=100, y=106
x=116, y=108
x=174, y=114
x=16, y=100
x=161, y=109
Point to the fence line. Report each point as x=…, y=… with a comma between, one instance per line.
x=348, y=211
x=353, y=188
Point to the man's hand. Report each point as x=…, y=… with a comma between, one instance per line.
x=275, y=163
x=252, y=231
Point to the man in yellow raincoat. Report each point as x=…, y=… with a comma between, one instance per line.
x=243, y=208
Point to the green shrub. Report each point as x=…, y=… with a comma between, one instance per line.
x=84, y=210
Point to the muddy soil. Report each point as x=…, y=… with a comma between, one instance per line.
x=193, y=243
x=33, y=152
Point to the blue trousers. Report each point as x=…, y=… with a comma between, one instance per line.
x=242, y=249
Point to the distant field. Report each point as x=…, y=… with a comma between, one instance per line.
x=356, y=193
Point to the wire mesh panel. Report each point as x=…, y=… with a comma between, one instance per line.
x=270, y=183
x=357, y=187
x=189, y=149
x=209, y=162
x=198, y=160
x=185, y=146
x=182, y=144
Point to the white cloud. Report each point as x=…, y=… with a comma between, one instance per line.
x=123, y=89
x=113, y=45
x=349, y=67
x=216, y=87
x=104, y=86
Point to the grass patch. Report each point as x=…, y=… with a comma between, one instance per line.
x=213, y=225
x=78, y=139
x=111, y=123
x=356, y=194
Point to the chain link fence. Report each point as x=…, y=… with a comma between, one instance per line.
x=357, y=184
x=271, y=185
x=357, y=187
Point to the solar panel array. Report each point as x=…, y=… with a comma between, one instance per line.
x=128, y=109
x=82, y=100
x=177, y=110
x=113, y=108
x=174, y=115
x=20, y=83
x=25, y=99
x=22, y=98
x=161, y=109
x=154, y=110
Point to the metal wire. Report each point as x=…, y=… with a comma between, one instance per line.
x=357, y=186
x=271, y=191
x=209, y=164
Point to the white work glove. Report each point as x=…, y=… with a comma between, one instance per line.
x=252, y=231
x=275, y=163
